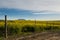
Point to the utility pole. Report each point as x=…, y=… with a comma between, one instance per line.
x=6, y=27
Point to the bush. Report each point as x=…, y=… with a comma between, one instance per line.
x=48, y=28
x=28, y=28
x=56, y=28
x=12, y=30
x=2, y=31
x=41, y=28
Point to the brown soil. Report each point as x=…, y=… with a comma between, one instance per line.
x=44, y=36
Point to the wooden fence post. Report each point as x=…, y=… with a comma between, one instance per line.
x=6, y=27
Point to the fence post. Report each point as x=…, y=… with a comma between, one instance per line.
x=6, y=27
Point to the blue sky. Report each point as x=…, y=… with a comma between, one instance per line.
x=30, y=9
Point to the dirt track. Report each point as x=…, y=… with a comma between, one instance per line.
x=42, y=36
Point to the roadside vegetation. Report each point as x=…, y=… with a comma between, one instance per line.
x=21, y=27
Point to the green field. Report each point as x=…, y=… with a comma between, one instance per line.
x=19, y=27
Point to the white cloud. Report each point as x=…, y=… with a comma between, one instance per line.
x=50, y=5
x=39, y=13
x=45, y=12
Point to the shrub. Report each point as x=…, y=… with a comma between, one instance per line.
x=41, y=28
x=2, y=31
x=12, y=30
x=56, y=28
x=48, y=28
x=28, y=28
